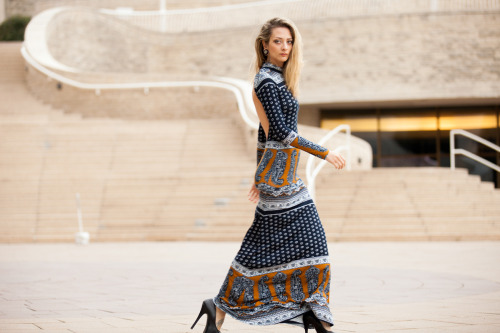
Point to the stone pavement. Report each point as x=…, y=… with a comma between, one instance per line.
x=409, y=287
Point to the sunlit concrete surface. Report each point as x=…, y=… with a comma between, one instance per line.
x=409, y=287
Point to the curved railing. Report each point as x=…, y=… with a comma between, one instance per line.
x=254, y=13
x=245, y=89
x=313, y=167
x=454, y=151
x=243, y=104
x=35, y=39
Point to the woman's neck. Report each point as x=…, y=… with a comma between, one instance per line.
x=273, y=63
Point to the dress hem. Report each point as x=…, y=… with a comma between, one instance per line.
x=281, y=319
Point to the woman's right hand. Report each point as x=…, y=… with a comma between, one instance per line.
x=336, y=159
x=253, y=194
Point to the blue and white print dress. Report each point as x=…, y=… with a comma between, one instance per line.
x=282, y=269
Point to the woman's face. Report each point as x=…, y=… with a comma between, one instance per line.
x=279, y=46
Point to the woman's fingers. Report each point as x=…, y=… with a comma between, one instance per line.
x=253, y=194
x=341, y=161
x=338, y=161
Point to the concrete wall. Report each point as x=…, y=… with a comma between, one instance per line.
x=2, y=10
x=92, y=43
x=171, y=103
x=16, y=7
x=437, y=57
x=31, y=7
x=403, y=57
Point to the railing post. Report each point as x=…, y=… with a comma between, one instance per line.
x=477, y=158
x=311, y=187
x=163, y=15
x=312, y=171
x=348, y=142
x=452, y=149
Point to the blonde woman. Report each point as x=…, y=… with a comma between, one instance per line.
x=281, y=273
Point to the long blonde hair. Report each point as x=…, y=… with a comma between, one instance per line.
x=293, y=66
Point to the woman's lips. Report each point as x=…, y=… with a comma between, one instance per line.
x=284, y=54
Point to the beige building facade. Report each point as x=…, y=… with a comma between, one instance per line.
x=402, y=78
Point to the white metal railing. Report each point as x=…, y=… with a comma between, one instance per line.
x=313, y=170
x=246, y=91
x=254, y=13
x=454, y=151
x=243, y=104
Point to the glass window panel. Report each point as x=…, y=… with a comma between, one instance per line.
x=467, y=122
x=402, y=123
x=363, y=124
x=418, y=136
x=358, y=124
x=412, y=148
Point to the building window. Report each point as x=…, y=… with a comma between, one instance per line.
x=421, y=136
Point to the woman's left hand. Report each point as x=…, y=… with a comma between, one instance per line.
x=337, y=160
x=253, y=194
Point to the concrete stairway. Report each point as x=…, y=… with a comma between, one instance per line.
x=408, y=204
x=138, y=179
x=188, y=179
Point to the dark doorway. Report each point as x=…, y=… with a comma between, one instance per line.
x=403, y=137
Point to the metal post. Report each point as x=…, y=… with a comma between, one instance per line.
x=497, y=109
x=348, y=144
x=434, y=5
x=452, y=150
x=163, y=15
x=438, y=137
x=379, y=139
x=81, y=237
x=163, y=5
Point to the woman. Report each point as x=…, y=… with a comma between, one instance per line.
x=281, y=273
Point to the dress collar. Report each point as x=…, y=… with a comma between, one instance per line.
x=276, y=68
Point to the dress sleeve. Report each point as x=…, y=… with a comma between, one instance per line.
x=268, y=96
x=261, y=143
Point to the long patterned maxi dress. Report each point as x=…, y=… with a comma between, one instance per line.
x=282, y=269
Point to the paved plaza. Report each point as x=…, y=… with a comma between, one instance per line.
x=408, y=287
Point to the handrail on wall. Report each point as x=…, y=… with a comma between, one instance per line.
x=313, y=171
x=454, y=151
x=230, y=85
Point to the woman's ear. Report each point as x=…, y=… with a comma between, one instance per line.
x=264, y=44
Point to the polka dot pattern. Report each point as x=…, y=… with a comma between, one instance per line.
x=280, y=238
x=282, y=110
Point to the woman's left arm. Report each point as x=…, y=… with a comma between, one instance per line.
x=267, y=94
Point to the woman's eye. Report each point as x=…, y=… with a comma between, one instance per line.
x=277, y=41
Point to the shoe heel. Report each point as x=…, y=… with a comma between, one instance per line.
x=306, y=323
x=311, y=319
x=202, y=312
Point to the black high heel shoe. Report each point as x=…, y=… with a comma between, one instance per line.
x=310, y=319
x=208, y=308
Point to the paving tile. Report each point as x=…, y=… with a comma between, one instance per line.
x=408, y=287
x=4, y=327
